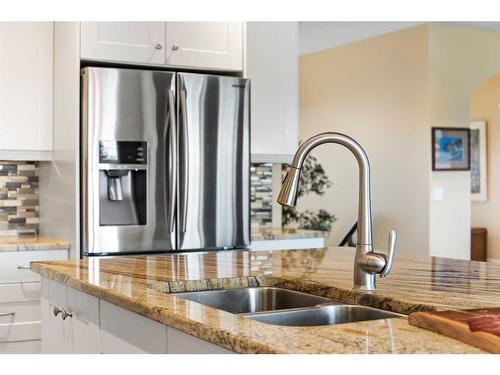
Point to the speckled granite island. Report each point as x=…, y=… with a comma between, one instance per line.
x=145, y=285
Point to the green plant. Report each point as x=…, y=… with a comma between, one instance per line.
x=313, y=179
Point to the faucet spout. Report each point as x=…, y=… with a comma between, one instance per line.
x=288, y=193
x=367, y=263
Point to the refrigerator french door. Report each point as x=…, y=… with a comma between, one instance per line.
x=165, y=161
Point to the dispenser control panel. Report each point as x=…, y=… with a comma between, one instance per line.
x=123, y=152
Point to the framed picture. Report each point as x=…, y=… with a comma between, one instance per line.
x=478, y=160
x=450, y=149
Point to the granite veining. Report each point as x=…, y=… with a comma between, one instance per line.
x=285, y=234
x=144, y=285
x=32, y=243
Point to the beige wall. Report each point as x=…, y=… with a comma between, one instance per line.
x=376, y=91
x=459, y=59
x=387, y=92
x=484, y=105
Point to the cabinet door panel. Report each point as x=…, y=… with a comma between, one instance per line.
x=52, y=326
x=51, y=330
x=141, y=42
x=26, y=56
x=181, y=343
x=20, y=347
x=211, y=45
x=81, y=330
x=124, y=332
x=273, y=68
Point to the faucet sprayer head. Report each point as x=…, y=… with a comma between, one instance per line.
x=290, y=188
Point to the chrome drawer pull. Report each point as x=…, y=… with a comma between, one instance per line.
x=7, y=314
x=66, y=314
x=23, y=267
x=57, y=311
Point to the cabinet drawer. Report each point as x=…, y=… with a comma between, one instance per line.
x=19, y=292
x=20, y=313
x=13, y=264
x=16, y=312
x=20, y=331
x=20, y=347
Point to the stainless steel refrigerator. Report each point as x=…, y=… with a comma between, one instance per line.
x=164, y=161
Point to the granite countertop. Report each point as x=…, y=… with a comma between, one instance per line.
x=285, y=234
x=143, y=284
x=31, y=243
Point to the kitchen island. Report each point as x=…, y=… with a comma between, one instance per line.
x=144, y=286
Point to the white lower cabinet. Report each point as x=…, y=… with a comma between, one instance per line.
x=124, y=332
x=20, y=305
x=97, y=326
x=20, y=318
x=75, y=328
x=20, y=347
x=181, y=343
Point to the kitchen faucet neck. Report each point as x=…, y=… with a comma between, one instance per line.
x=367, y=263
x=364, y=209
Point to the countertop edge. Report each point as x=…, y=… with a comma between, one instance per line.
x=20, y=244
x=207, y=333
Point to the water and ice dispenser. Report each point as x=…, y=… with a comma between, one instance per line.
x=122, y=183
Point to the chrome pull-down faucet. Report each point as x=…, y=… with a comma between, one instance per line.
x=367, y=263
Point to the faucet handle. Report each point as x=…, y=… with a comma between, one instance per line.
x=390, y=255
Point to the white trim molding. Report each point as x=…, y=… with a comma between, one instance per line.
x=482, y=195
x=271, y=158
x=25, y=155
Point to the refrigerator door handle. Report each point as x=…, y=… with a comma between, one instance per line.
x=172, y=161
x=184, y=146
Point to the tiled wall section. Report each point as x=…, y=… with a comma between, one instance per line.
x=18, y=198
x=261, y=193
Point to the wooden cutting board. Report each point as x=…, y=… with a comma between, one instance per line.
x=477, y=327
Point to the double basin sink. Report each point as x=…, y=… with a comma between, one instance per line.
x=285, y=307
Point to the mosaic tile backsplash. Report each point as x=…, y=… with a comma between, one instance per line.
x=261, y=195
x=18, y=198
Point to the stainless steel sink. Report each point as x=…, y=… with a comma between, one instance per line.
x=324, y=315
x=249, y=300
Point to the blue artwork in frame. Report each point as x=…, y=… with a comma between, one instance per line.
x=450, y=149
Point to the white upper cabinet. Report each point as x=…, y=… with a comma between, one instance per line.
x=198, y=45
x=26, y=61
x=131, y=42
x=272, y=65
x=213, y=45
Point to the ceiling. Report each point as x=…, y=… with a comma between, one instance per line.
x=317, y=36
